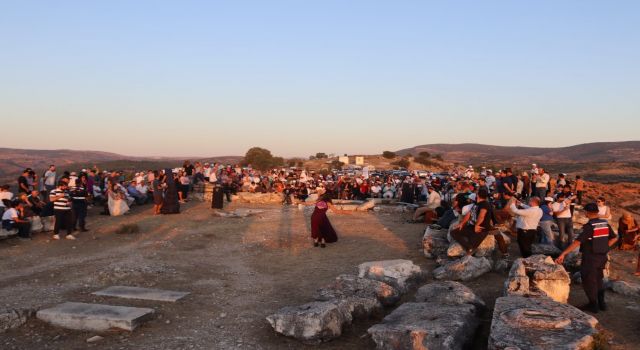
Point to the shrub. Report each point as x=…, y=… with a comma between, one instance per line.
x=388, y=154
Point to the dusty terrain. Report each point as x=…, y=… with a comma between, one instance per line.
x=238, y=271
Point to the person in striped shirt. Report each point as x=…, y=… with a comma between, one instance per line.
x=62, y=210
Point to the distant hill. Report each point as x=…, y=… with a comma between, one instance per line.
x=13, y=161
x=628, y=152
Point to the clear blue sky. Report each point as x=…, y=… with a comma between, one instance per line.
x=188, y=78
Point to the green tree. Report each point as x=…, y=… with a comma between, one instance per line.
x=403, y=163
x=321, y=155
x=438, y=157
x=336, y=164
x=424, y=154
x=388, y=154
x=259, y=158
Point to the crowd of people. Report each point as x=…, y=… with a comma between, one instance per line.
x=538, y=207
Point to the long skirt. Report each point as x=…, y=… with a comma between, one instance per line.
x=321, y=227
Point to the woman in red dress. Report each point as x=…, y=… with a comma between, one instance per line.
x=321, y=230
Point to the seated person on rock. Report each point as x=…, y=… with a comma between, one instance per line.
x=433, y=203
x=476, y=224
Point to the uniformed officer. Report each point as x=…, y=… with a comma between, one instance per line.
x=79, y=196
x=594, y=241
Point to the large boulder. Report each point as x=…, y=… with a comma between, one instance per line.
x=313, y=322
x=464, y=269
x=435, y=243
x=486, y=248
x=448, y=292
x=539, y=323
x=10, y=319
x=625, y=288
x=538, y=276
x=399, y=273
x=364, y=297
x=426, y=326
x=545, y=249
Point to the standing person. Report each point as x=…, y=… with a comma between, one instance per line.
x=322, y=231
x=564, y=219
x=157, y=192
x=595, y=240
x=627, y=232
x=579, y=188
x=49, y=178
x=475, y=225
x=170, y=202
x=604, y=212
x=527, y=220
x=23, y=182
x=547, y=221
x=542, y=183
x=79, y=198
x=61, y=200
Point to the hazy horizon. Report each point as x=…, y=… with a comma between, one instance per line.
x=155, y=78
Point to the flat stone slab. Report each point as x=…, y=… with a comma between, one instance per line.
x=141, y=293
x=95, y=317
x=414, y=326
x=539, y=324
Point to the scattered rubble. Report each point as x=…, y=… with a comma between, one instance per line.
x=538, y=276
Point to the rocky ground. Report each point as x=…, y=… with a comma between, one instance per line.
x=239, y=270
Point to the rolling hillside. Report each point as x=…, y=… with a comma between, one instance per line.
x=628, y=152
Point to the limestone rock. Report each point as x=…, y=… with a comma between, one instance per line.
x=501, y=265
x=486, y=248
x=370, y=204
x=435, y=243
x=259, y=198
x=539, y=323
x=448, y=292
x=346, y=286
x=398, y=273
x=10, y=319
x=426, y=326
x=538, y=276
x=545, y=249
x=464, y=269
x=313, y=322
x=626, y=288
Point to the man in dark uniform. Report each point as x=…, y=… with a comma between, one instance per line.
x=595, y=240
x=79, y=204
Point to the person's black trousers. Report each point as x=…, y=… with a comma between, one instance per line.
x=63, y=217
x=468, y=238
x=592, y=273
x=79, y=215
x=525, y=240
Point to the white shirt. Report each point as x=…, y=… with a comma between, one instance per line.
x=602, y=210
x=50, y=178
x=527, y=218
x=10, y=214
x=434, y=200
x=8, y=195
x=542, y=180
x=565, y=210
x=490, y=180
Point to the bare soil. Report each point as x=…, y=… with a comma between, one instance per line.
x=238, y=271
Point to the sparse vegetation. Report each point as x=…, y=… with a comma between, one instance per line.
x=438, y=157
x=424, y=154
x=321, y=155
x=402, y=163
x=388, y=154
x=261, y=159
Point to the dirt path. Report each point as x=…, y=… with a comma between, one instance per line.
x=238, y=271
